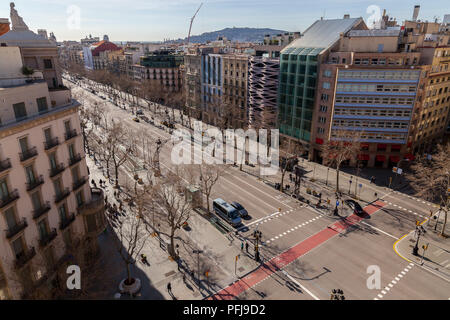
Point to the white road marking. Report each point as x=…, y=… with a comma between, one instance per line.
x=298, y=283
x=379, y=230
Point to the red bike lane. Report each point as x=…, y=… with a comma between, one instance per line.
x=282, y=260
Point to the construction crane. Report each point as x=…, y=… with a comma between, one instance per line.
x=192, y=20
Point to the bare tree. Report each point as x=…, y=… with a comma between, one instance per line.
x=291, y=153
x=119, y=145
x=430, y=179
x=169, y=193
x=343, y=145
x=209, y=174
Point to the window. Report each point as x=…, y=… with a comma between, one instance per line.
x=327, y=73
x=58, y=186
x=48, y=64
x=322, y=119
x=10, y=217
x=320, y=130
x=23, y=142
x=79, y=197
x=323, y=108
x=62, y=212
x=20, y=111
x=36, y=200
x=42, y=104
x=326, y=85
x=52, y=158
x=43, y=229
x=4, y=191
x=30, y=174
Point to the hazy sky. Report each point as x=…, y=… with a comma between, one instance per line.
x=154, y=20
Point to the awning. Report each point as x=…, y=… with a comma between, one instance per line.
x=396, y=147
x=363, y=157
x=382, y=146
x=364, y=145
x=319, y=141
x=410, y=157
x=380, y=158
x=394, y=159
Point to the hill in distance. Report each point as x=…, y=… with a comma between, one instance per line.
x=235, y=34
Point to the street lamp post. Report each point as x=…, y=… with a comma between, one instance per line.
x=328, y=171
x=198, y=264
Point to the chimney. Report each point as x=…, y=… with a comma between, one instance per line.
x=416, y=12
x=4, y=26
x=43, y=33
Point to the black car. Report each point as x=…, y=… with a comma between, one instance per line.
x=242, y=212
x=355, y=206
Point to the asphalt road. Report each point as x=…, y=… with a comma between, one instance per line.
x=339, y=262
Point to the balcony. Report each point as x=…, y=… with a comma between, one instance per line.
x=53, y=142
x=77, y=184
x=64, y=223
x=75, y=159
x=5, y=165
x=10, y=197
x=23, y=257
x=28, y=154
x=46, y=239
x=35, y=183
x=42, y=210
x=61, y=195
x=57, y=170
x=70, y=134
x=95, y=207
x=11, y=232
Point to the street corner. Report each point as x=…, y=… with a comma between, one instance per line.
x=425, y=253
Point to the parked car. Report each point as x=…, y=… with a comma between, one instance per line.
x=136, y=119
x=140, y=112
x=355, y=206
x=145, y=119
x=242, y=212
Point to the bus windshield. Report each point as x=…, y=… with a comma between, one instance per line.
x=234, y=214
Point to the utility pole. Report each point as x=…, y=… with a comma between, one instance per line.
x=198, y=264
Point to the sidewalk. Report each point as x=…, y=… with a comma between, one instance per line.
x=218, y=257
x=436, y=258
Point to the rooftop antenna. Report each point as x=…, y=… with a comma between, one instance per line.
x=192, y=20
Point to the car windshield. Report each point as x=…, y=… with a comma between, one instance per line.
x=238, y=206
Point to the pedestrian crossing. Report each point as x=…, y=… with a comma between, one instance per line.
x=406, y=210
x=393, y=282
x=292, y=230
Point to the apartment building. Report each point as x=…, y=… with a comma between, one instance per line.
x=374, y=82
x=96, y=55
x=192, y=63
x=211, y=87
x=47, y=209
x=234, y=100
x=262, y=91
x=163, y=67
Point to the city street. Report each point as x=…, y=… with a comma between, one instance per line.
x=307, y=252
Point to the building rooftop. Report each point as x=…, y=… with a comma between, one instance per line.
x=323, y=33
x=25, y=39
x=374, y=33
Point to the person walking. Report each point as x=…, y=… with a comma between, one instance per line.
x=242, y=246
x=246, y=247
x=169, y=288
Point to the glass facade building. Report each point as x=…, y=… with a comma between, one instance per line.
x=297, y=90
